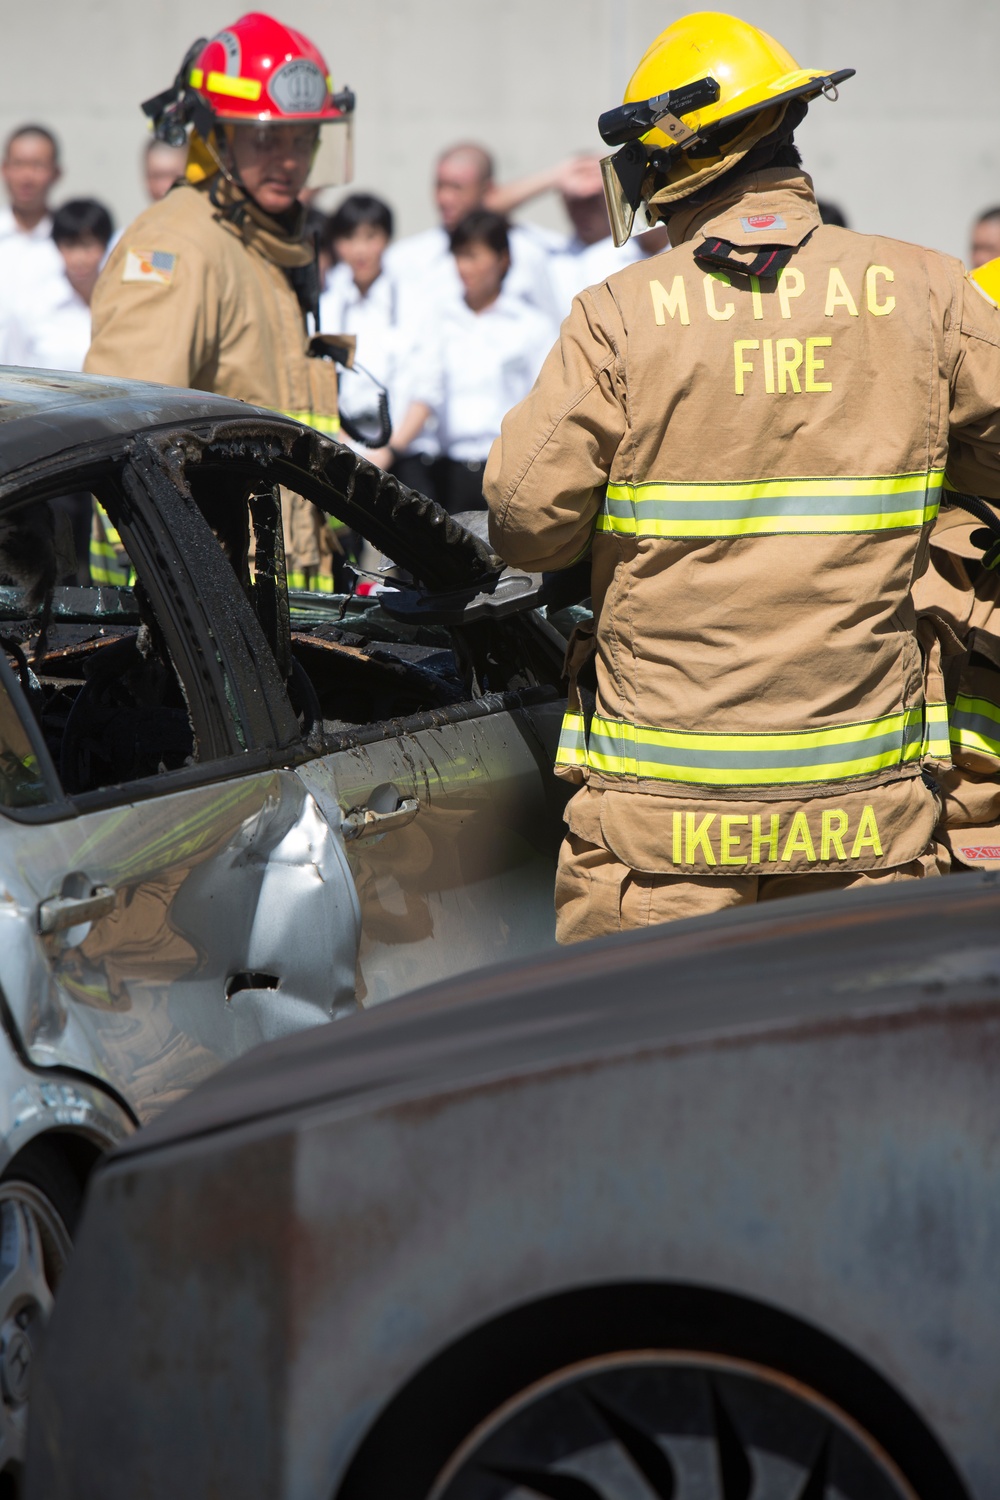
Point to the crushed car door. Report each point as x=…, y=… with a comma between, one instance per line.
x=174, y=898
x=450, y=831
x=447, y=805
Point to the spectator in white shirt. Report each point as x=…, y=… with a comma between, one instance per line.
x=162, y=165
x=476, y=359
x=361, y=299
x=423, y=264
x=589, y=255
x=30, y=170
x=53, y=333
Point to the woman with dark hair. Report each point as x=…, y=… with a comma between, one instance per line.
x=475, y=360
x=361, y=298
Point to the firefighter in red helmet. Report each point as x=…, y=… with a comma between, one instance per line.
x=210, y=288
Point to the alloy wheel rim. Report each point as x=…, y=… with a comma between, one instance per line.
x=681, y=1425
x=34, y=1249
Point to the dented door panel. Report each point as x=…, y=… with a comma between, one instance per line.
x=468, y=880
x=235, y=921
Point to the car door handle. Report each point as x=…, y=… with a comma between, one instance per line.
x=60, y=912
x=366, y=823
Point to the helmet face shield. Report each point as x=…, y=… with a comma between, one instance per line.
x=291, y=154
x=333, y=163
x=623, y=175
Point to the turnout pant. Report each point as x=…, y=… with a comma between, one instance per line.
x=596, y=894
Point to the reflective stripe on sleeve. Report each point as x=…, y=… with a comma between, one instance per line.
x=836, y=754
x=937, y=741
x=572, y=749
x=975, y=725
x=772, y=506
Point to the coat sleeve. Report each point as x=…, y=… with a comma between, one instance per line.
x=549, y=467
x=149, y=329
x=974, y=441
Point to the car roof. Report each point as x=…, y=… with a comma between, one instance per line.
x=833, y=961
x=51, y=420
x=46, y=413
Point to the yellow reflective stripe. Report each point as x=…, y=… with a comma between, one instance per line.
x=937, y=742
x=572, y=750
x=835, y=754
x=772, y=506
x=222, y=83
x=104, y=520
x=109, y=562
x=308, y=582
x=975, y=725
x=318, y=423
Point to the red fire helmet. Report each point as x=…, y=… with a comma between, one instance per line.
x=260, y=70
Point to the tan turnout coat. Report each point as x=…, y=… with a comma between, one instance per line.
x=757, y=462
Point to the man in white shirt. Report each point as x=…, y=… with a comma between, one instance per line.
x=30, y=169
x=162, y=166
x=423, y=264
x=588, y=255
x=478, y=357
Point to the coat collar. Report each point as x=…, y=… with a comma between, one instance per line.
x=772, y=207
x=237, y=212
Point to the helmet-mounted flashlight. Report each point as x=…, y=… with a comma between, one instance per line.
x=629, y=121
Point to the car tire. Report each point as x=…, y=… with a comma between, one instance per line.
x=40, y=1198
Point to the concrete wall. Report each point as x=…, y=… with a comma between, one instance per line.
x=912, y=148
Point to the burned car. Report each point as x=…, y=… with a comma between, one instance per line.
x=227, y=814
x=704, y=1212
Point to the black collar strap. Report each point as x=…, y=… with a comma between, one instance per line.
x=769, y=260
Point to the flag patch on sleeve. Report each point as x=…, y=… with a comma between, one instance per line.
x=149, y=265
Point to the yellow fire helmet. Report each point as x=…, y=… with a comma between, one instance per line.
x=705, y=92
x=987, y=279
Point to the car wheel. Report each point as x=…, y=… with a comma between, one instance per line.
x=670, y=1426
x=34, y=1248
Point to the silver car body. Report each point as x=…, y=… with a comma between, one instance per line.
x=270, y=866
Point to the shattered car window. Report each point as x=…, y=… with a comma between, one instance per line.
x=347, y=664
x=92, y=663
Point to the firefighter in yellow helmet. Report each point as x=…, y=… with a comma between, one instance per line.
x=210, y=287
x=749, y=434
